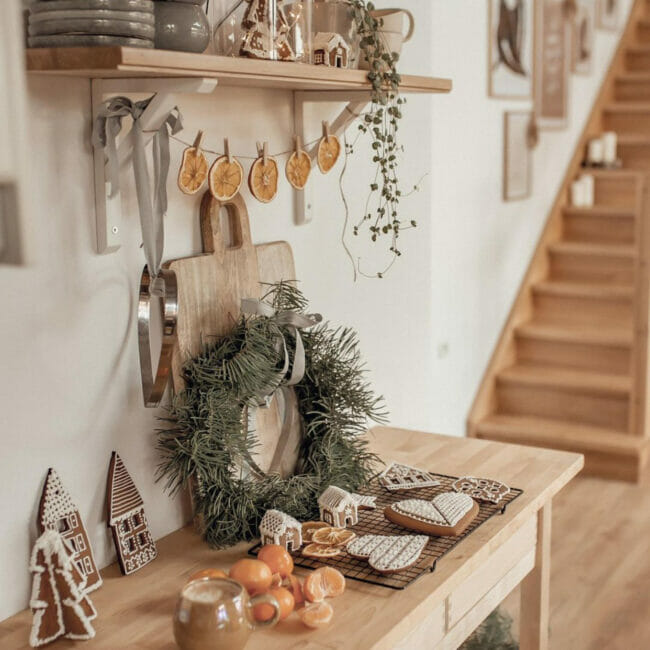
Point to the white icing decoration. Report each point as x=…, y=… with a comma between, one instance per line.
x=364, y=500
x=275, y=524
x=338, y=507
x=482, y=488
x=446, y=509
x=398, y=553
x=404, y=477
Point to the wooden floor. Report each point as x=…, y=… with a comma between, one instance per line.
x=600, y=573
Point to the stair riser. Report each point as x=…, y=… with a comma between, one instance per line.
x=592, y=268
x=637, y=61
x=635, y=156
x=627, y=122
x=561, y=404
x=597, y=358
x=599, y=230
x=615, y=192
x=590, y=311
x=629, y=91
x=643, y=33
x=603, y=464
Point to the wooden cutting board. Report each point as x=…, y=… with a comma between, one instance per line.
x=210, y=289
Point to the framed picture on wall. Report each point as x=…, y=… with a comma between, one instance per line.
x=552, y=59
x=517, y=156
x=582, y=38
x=608, y=14
x=510, y=71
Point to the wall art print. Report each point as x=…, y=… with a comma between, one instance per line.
x=517, y=158
x=510, y=72
x=552, y=58
x=608, y=14
x=583, y=36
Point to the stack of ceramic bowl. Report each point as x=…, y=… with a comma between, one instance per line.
x=84, y=23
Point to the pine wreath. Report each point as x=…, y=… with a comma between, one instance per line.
x=208, y=447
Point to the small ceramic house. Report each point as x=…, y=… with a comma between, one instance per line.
x=338, y=507
x=58, y=512
x=126, y=519
x=330, y=49
x=279, y=528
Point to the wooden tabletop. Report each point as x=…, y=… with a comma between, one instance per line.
x=136, y=611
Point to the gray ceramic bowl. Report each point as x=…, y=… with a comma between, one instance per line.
x=82, y=40
x=117, y=5
x=93, y=14
x=181, y=26
x=84, y=26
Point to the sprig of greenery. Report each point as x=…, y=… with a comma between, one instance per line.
x=207, y=446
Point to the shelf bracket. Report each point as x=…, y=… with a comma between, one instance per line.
x=356, y=103
x=108, y=209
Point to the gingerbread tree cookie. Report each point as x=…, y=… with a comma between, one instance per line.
x=133, y=541
x=58, y=512
x=59, y=601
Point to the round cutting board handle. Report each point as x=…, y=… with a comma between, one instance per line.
x=211, y=232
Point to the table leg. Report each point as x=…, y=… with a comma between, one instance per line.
x=533, y=627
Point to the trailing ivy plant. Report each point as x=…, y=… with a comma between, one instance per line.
x=381, y=214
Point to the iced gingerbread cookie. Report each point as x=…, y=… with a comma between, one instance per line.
x=447, y=515
x=483, y=489
x=404, y=477
x=388, y=553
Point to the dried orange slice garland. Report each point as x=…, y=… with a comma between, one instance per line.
x=263, y=176
x=298, y=167
x=329, y=150
x=321, y=550
x=194, y=168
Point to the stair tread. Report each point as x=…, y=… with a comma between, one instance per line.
x=638, y=139
x=589, y=248
x=578, y=333
x=628, y=106
x=583, y=290
x=560, y=433
x=614, y=212
x=557, y=377
x=634, y=76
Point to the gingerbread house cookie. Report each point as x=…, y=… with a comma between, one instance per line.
x=133, y=541
x=58, y=512
x=447, y=514
x=483, y=489
x=279, y=528
x=404, y=477
x=338, y=507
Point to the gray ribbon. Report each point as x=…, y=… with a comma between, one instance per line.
x=294, y=321
x=107, y=127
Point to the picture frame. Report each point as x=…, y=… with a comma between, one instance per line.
x=552, y=64
x=583, y=32
x=608, y=11
x=510, y=48
x=517, y=156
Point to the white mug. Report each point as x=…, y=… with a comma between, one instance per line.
x=393, y=21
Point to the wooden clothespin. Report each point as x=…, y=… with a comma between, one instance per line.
x=226, y=149
x=326, y=129
x=197, y=142
x=297, y=144
x=262, y=151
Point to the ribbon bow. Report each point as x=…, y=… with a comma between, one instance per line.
x=105, y=131
x=294, y=321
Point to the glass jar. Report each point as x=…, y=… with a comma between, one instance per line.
x=276, y=30
x=332, y=21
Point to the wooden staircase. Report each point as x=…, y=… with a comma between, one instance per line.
x=570, y=370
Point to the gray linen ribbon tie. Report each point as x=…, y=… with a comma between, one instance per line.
x=107, y=127
x=294, y=321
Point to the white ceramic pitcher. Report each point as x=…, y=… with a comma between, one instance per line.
x=392, y=29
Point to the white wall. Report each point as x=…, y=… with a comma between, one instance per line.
x=70, y=391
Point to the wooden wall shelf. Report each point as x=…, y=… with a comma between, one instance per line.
x=111, y=62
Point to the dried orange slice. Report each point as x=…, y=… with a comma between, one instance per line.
x=225, y=178
x=321, y=550
x=298, y=169
x=316, y=615
x=263, y=179
x=310, y=527
x=332, y=536
x=193, y=171
x=329, y=149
